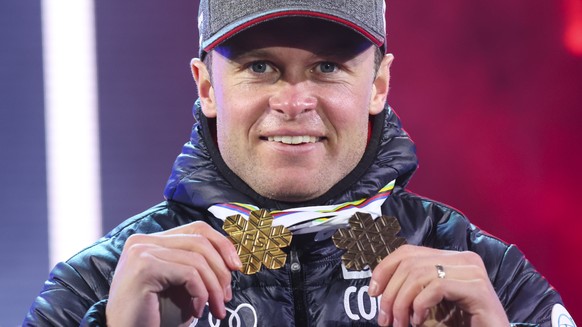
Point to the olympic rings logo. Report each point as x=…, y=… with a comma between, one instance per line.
x=234, y=317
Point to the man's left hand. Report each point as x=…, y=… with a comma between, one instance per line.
x=410, y=285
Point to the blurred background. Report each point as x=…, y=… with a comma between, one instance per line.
x=491, y=92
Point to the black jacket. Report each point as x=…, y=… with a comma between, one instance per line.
x=317, y=292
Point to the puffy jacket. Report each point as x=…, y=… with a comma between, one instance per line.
x=312, y=289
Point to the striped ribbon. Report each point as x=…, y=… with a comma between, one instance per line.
x=313, y=218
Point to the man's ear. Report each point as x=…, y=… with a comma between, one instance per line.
x=205, y=88
x=381, y=85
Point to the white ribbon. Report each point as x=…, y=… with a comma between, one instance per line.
x=313, y=218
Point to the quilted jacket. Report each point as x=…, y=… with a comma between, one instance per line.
x=313, y=288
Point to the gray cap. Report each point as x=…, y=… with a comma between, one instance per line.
x=219, y=20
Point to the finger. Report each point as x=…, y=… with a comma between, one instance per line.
x=191, y=243
x=389, y=275
x=197, y=287
x=456, y=272
x=417, y=255
x=386, y=269
x=175, y=306
x=197, y=262
x=432, y=295
x=469, y=294
x=162, y=267
x=401, y=276
x=198, y=304
x=409, y=269
x=405, y=284
x=178, y=267
x=200, y=297
x=403, y=291
x=218, y=240
x=436, y=292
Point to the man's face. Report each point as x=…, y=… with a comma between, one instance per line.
x=292, y=100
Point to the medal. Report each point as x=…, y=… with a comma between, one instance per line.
x=256, y=241
x=446, y=314
x=311, y=219
x=367, y=241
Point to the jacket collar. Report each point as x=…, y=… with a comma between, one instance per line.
x=200, y=178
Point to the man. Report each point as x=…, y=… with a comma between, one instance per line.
x=292, y=116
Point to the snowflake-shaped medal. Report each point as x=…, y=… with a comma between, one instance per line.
x=367, y=241
x=256, y=241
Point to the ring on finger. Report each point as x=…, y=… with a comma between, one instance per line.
x=440, y=271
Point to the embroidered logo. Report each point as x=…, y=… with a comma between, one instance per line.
x=367, y=306
x=356, y=274
x=244, y=315
x=257, y=242
x=561, y=317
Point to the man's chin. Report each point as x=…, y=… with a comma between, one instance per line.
x=298, y=191
x=289, y=184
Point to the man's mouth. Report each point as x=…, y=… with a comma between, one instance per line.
x=294, y=139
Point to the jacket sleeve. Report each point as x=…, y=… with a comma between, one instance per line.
x=65, y=300
x=95, y=317
x=525, y=294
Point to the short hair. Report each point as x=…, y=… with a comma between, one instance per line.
x=378, y=56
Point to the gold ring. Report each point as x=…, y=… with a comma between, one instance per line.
x=440, y=271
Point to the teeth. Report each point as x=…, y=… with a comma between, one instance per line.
x=293, y=139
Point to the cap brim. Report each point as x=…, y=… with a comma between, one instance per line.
x=241, y=25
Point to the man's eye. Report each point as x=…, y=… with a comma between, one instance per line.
x=327, y=67
x=260, y=67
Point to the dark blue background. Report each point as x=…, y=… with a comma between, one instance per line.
x=23, y=204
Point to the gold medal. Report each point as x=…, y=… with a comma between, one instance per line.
x=256, y=241
x=367, y=241
x=446, y=314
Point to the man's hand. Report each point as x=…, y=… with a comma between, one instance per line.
x=194, y=258
x=409, y=284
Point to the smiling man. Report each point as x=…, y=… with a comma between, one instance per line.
x=288, y=206
x=292, y=113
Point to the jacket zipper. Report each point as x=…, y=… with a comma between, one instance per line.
x=297, y=287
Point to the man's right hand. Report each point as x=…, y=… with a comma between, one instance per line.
x=194, y=257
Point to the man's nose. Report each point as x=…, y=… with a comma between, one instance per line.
x=292, y=100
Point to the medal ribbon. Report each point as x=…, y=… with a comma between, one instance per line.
x=312, y=218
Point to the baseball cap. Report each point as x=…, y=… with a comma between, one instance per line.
x=219, y=20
